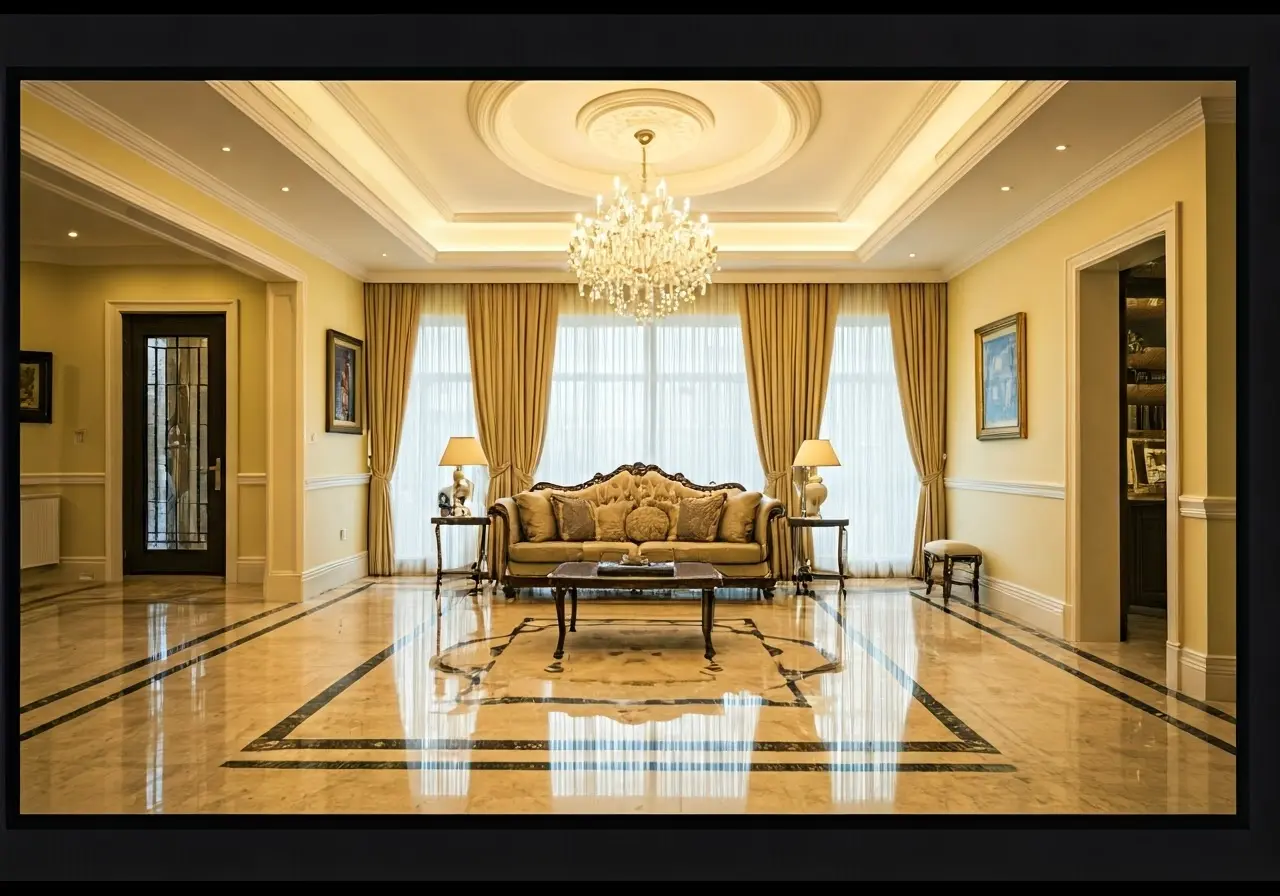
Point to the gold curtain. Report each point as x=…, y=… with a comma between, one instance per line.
x=788, y=333
x=918, y=320
x=391, y=313
x=511, y=330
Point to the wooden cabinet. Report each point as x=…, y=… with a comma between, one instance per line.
x=1145, y=551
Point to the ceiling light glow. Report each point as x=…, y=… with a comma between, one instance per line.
x=226, y=149
x=284, y=189
x=1061, y=147
x=1005, y=189
x=72, y=234
x=911, y=255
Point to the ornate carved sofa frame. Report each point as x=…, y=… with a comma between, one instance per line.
x=522, y=564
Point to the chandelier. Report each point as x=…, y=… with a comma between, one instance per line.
x=642, y=254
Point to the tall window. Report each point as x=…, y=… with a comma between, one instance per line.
x=672, y=394
x=876, y=486
x=440, y=405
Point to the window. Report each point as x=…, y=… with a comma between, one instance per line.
x=672, y=394
x=876, y=486
x=440, y=405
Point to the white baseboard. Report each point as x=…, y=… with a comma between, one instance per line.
x=334, y=574
x=1210, y=676
x=70, y=569
x=1040, y=611
x=250, y=570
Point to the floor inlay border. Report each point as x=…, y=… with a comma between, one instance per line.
x=641, y=765
x=165, y=673
x=1205, y=736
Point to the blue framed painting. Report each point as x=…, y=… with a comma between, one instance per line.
x=1000, y=361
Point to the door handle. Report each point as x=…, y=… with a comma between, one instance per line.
x=217, y=475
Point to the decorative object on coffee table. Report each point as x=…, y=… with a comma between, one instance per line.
x=462, y=451
x=567, y=578
x=803, y=574
x=813, y=453
x=477, y=567
x=951, y=553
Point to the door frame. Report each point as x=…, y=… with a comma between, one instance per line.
x=1166, y=224
x=114, y=425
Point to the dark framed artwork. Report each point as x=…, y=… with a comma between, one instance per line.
x=1000, y=366
x=344, y=383
x=35, y=387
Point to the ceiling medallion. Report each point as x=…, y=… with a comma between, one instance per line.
x=643, y=255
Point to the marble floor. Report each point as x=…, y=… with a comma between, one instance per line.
x=188, y=696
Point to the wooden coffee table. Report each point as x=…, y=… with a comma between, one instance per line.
x=569, y=577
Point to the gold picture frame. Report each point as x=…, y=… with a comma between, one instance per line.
x=344, y=383
x=1000, y=378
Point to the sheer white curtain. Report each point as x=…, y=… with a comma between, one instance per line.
x=876, y=486
x=440, y=405
x=672, y=394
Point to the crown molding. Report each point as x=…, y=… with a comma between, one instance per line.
x=754, y=275
x=268, y=107
x=902, y=137
x=716, y=218
x=113, y=256
x=70, y=101
x=345, y=97
x=1016, y=108
x=1141, y=148
x=1219, y=109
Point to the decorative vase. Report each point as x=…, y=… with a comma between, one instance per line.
x=815, y=492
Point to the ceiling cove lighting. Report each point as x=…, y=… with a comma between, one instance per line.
x=642, y=254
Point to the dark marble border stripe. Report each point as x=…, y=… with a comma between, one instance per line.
x=25, y=605
x=148, y=660
x=1205, y=736
x=644, y=765
x=536, y=746
x=165, y=673
x=1095, y=659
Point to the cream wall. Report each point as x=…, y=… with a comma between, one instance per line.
x=331, y=299
x=63, y=311
x=1022, y=536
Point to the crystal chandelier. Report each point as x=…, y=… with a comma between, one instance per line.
x=642, y=253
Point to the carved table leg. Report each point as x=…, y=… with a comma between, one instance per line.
x=841, y=548
x=559, y=592
x=573, y=620
x=439, y=558
x=480, y=558
x=708, y=619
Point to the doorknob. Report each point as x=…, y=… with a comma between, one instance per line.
x=217, y=475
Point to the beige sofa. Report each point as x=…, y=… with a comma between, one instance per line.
x=521, y=563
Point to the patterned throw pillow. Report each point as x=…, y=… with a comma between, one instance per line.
x=611, y=521
x=699, y=518
x=647, y=523
x=536, y=516
x=573, y=518
x=738, y=521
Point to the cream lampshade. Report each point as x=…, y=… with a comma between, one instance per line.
x=462, y=451
x=814, y=453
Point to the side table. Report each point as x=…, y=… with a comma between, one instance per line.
x=803, y=574
x=477, y=567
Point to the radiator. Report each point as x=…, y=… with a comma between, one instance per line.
x=39, y=528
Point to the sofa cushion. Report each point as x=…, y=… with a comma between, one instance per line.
x=647, y=524
x=611, y=520
x=738, y=519
x=545, y=551
x=574, y=519
x=705, y=551
x=607, y=550
x=537, y=520
x=699, y=518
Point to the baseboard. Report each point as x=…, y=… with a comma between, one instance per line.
x=250, y=570
x=1206, y=676
x=69, y=569
x=282, y=587
x=334, y=574
x=1040, y=611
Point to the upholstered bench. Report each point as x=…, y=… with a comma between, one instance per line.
x=951, y=553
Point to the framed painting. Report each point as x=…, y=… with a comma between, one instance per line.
x=1000, y=362
x=344, y=383
x=35, y=387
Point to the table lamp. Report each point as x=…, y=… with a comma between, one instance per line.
x=813, y=453
x=462, y=451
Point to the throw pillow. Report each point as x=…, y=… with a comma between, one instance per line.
x=536, y=517
x=611, y=521
x=699, y=518
x=647, y=523
x=738, y=521
x=573, y=518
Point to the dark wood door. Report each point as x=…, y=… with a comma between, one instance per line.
x=175, y=410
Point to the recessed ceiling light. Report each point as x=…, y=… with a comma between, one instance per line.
x=1005, y=189
x=72, y=234
x=226, y=149
x=384, y=254
x=284, y=189
x=911, y=255
x=1061, y=147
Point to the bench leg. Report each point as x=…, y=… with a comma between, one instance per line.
x=947, y=565
x=928, y=572
x=977, y=569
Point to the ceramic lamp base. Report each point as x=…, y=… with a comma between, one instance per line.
x=461, y=492
x=815, y=492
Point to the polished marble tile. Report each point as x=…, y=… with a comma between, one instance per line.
x=384, y=697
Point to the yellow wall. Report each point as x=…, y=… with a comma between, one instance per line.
x=332, y=299
x=1023, y=537
x=64, y=311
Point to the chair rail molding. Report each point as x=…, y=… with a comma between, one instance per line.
x=344, y=481
x=247, y=479
x=1207, y=507
x=1003, y=487
x=62, y=479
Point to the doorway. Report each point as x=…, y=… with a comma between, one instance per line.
x=173, y=490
